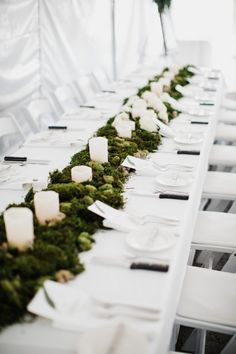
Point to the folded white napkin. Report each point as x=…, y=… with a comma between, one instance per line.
x=113, y=218
x=164, y=129
x=116, y=338
x=142, y=167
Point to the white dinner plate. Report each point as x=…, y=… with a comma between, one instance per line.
x=174, y=179
x=150, y=239
x=188, y=139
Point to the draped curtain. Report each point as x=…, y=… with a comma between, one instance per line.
x=45, y=43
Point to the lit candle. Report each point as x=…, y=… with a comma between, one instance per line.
x=19, y=227
x=98, y=149
x=47, y=207
x=81, y=174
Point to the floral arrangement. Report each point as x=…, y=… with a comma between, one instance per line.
x=56, y=248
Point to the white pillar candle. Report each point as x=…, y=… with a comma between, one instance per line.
x=81, y=174
x=47, y=207
x=98, y=149
x=19, y=227
x=148, y=124
x=124, y=130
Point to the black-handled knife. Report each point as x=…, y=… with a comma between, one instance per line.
x=57, y=127
x=188, y=152
x=206, y=104
x=173, y=196
x=24, y=159
x=197, y=122
x=152, y=266
x=15, y=159
x=180, y=152
x=108, y=91
x=87, y=106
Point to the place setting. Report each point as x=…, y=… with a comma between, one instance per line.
x=70, y=308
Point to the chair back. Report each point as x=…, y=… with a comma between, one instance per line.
x=67, y=98
x=10, y=132
x=87, y=87
x=101, y=78
x=41, y=113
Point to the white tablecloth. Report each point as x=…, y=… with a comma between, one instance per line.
x=161, y=290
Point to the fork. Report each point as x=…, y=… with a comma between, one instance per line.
x=165, y=167
x=153, y=218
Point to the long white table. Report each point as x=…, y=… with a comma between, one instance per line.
x=160, y=290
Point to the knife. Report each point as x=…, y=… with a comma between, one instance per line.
x=24, y=160
x=206, y=104
x=162, y=195
x=119, y=262
x=109, y=91
x=63, y=127
x=181, y=152
x=197, y=122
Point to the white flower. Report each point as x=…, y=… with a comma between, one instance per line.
x=148, y=124
x=131, y=100
x=157, y=88
x=137, y=112
x=163, y=116
x=169, y=75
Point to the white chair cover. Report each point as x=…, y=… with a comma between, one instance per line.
x=223, y=155
x=225, y=132
x=209, y=296
x=215, y=228
x=220, y=185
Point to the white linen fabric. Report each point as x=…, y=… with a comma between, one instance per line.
x=215, y=228
x=111, y=338
x=220, y=185
x=19, y=51
x=209, y=295
x=223, y=155
x=225, y=132
x=46, y=43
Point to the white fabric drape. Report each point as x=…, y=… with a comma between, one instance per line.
x=45, y=43
x=19, y=44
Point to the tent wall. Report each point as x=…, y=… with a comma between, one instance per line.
x=44, y=43
x=19, y=48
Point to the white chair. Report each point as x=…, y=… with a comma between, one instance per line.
x=208, y=302
x=86, y=87
x=215, y=232
x=220, y=185
x=227, y=116
x=41, y=113
x=225, y=132
x=101, y=79
x=10, y=132
x=68, y=100
x=223, y=155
